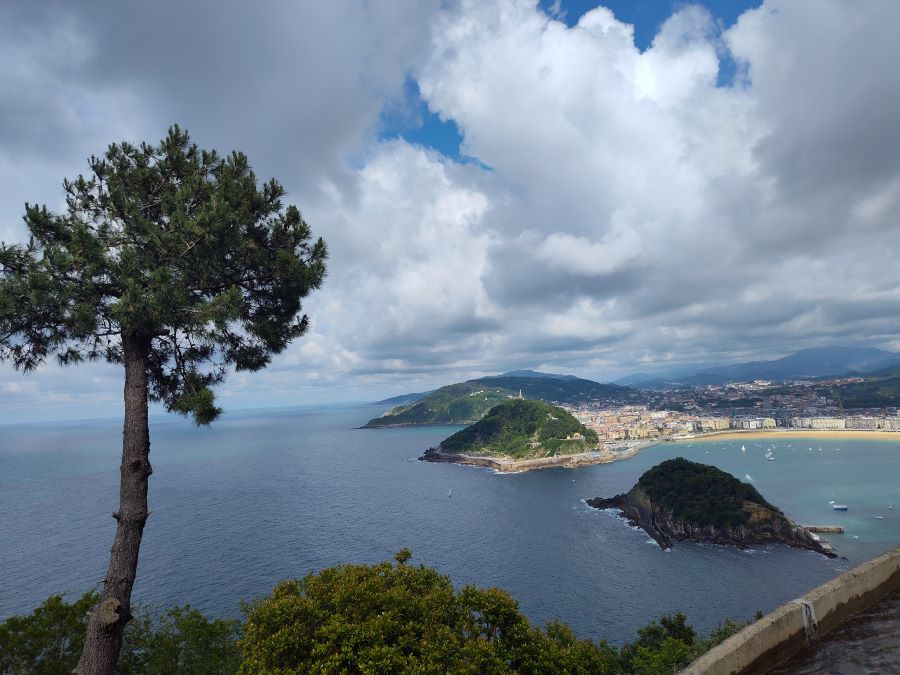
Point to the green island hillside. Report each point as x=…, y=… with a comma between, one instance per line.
x=681, y=500
x=521, y=429
x=700, y=493
x=467, y=402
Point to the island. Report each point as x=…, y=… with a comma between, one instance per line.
x=520, y=435
x=682, y=500
x=468, y=402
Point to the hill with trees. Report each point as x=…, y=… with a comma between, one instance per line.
x=467, y=402
x=879, y=391
x=521, y=429
x=682, y=500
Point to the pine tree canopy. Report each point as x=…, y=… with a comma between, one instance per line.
x=170, y=246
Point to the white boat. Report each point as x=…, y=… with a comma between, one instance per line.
x=748, y=477
x=891, y=505
x=743, y=449
x=879, y=517
x=450, y=492
x=839, y=507
x=770, y=458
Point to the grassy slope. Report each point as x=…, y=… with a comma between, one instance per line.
x=454, y=404
x=521, y=429
x=700, y=493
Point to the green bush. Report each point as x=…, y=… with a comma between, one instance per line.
x=401, y=618
x=49, y=641
x=381, y=618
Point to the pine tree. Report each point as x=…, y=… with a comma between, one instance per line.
x=173, y=262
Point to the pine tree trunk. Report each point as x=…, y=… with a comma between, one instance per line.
x=107, y=621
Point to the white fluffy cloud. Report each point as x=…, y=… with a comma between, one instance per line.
x=626, y=210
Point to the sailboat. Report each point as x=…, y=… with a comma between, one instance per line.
x=743, y=449
x=450, y=492
x=891, y=505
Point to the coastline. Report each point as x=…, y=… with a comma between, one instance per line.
x=755, y=434
x=507, y=465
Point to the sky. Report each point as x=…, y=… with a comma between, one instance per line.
x=562, y=186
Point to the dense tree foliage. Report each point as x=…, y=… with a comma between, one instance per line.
x=48, y=640
x=171, y=245
x=401, y=618
x=181, y=641
x=699, y=493
x=875, y=392
x=519, y=428
x=175, y=263
x=352, y=618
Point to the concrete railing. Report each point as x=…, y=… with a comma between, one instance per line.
x=764, y=644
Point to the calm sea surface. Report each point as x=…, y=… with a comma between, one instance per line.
x=267, y=495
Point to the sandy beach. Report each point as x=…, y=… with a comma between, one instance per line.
x=760, y=434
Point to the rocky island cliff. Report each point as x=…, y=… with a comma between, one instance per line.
x=681, y=500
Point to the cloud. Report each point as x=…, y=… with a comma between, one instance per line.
x=625, y=210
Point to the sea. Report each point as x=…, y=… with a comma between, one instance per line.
x=265, y=495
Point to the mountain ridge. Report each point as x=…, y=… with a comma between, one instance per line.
x=808, y=363
x=467, y=402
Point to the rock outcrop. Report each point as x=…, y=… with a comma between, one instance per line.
x=760, y=523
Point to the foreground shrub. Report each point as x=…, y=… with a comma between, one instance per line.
x=49, y=641
x=386, y=618
x=401, y=618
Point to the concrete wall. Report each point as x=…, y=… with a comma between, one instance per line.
x=764, y=644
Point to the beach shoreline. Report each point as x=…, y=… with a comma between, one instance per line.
x=757, y=434
x=507, y=465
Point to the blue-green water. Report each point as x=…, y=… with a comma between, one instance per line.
x=262, y=496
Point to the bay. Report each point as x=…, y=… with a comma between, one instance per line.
x=271, y=494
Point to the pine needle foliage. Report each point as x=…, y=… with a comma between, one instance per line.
x=171, y=244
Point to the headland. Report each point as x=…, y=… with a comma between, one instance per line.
x=680, y=500
x=509, y=465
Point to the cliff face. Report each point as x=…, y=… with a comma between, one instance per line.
x=763, y=526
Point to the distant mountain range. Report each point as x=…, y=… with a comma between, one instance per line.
x=809, y=363
x=467, y=402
